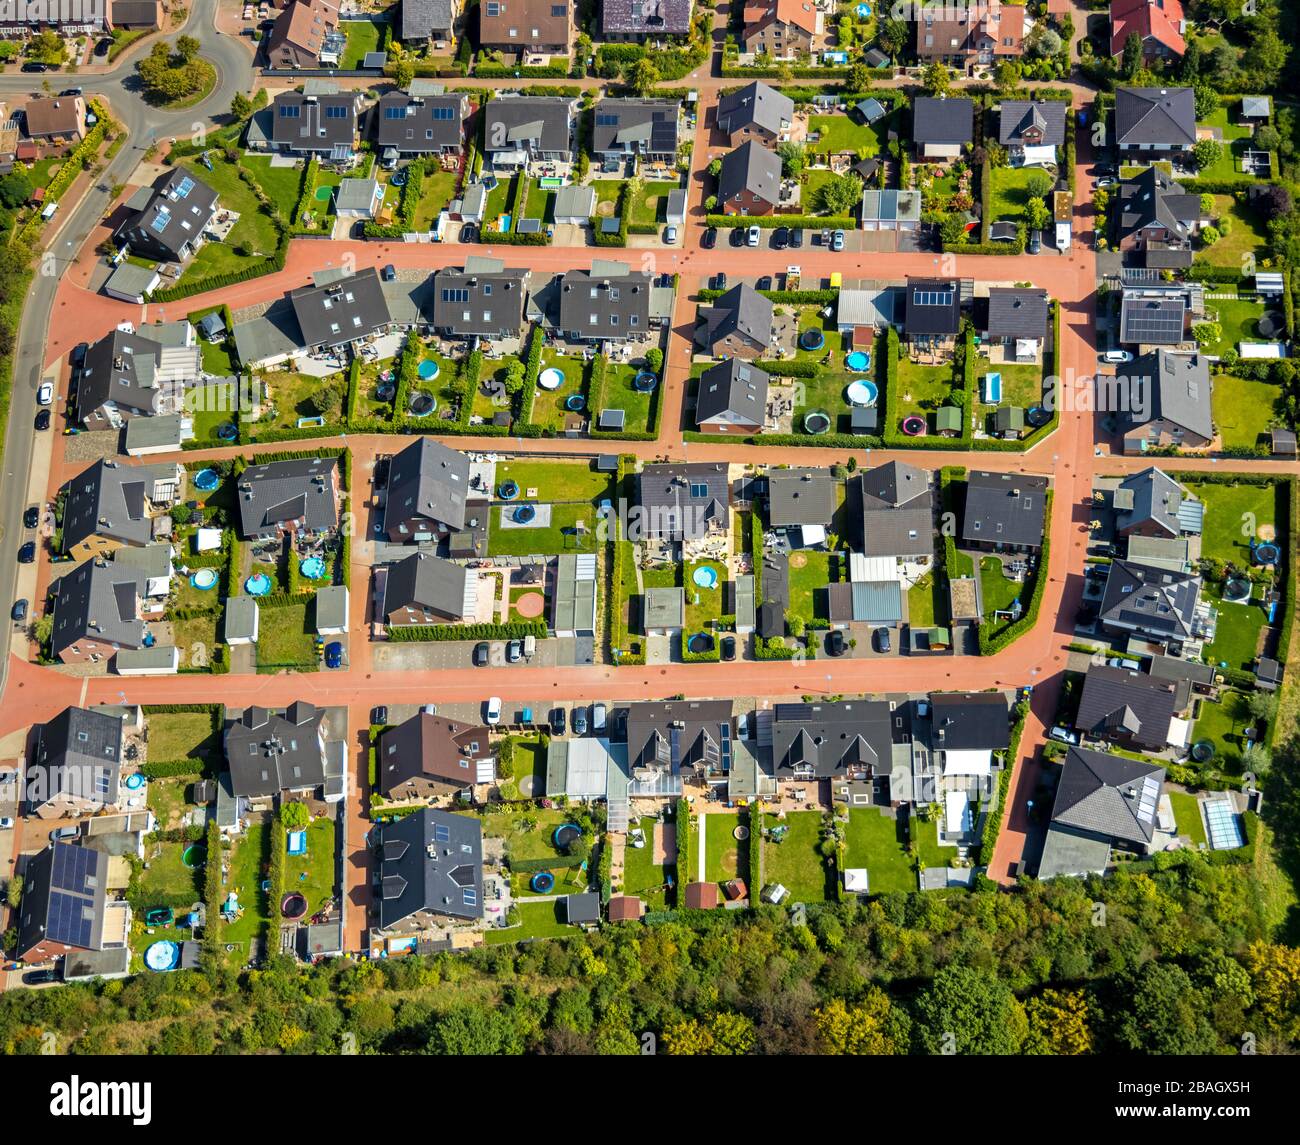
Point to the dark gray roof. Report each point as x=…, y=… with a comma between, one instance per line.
x=645, y=17
x=99, y=601
x=1153, y=601
x=1151, y=199
x=268, y=752
x=425, y=582
x=1018, y=116
x=804, y=496
x=674, y=735
x=1149, y=497
x=827, y=739
x=897, y=510
x=421, y=18
x=419, y=122
x=1118, y=703
x=582, y=909
x=942, y=120
x=1153, y=318
x=65, y=892
x=77, y=753
x=601, y=306
x=681, y=501
x=932, y=306
x=341, y=310
x=969, y=721
x=740, y=311
x=1180, y=389
x=1004, y=508
x=541, y=121
x=734, y=387
x=751, y=167
x=1155, y=117
x=1108, y=795
x=430, y=861
x=314, y=123
x=645, y=125
x=110, y=500
x=178, y=213
x=275, y=494
x=755, y=105
x=120, y=368
x=427, y=480
x=475, y=301
x=1017, y=312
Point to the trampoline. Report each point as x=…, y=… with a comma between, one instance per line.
x=645, y=381
x=227, y=431
x=1265, y=553
x=386, y=391
x=422, y=404
x=429, y=369
x=205, y=480
x=565, y=835
x=162, y=956
x=550, y=378
x=1037, y=416
x=508, y=490
x=259, y=584
x=740, y=832
x=859, y=361
x=862, y=393
x=313, y=568
x=1223, y=825
x=1236, y=590
x=1203, y=751
x=134, y=781
x=204, y=579
x=812, y=340
x=574, y=402
x=159, y=916
x=194, y=855
x=700, y=642
x=542, y=882
x=913, y=425
x=293, y=905
x=523, y=514
x=817, y=422
x=705, y=576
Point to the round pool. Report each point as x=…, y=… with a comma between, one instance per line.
x=1236, y=589
x=204, y=579
x=862, y=393
x=422, y=404
x=645, y=381
x=162, y=956
x=913, y=425
x=508, y=490
x=313, y=568
x=524, y=513
x=574, y=402
x=550, y=378
x=1036, y=416
x=812, y=340
x=428, y=370
x=227, y=431
x=194, y=855
x=205, y=480
x=293, y=905
x=858, y=361
x=386, y=391
x=817, y=422
x=1203, y=751
x=565, y=835
x=134, y=781
x=259, y=584
x=700, y=642
x=542, y=882
x=706, y=576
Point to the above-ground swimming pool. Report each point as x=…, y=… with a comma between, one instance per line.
x=812, y=340
x=565, y=834
x=858, y=361
x=206, y=480
x=162, y=956
x=194, y=855
x=524, y=513
x=862, y=393
x=422, y=404
x=913, y=425
x=508, y=490
x=429, y=369
x=992, y=389
x=259, y=584
x=134, y=781
x=542, y=882
x=645, y=381
x=706, y=576
x=550, y=378
x=817, y=421
x=574, y=402
x=313, y=568
x=700, y=642
x=1236, y=590
x=204, y=579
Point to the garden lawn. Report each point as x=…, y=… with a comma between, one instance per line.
x=556, y=480
x=607, y=192
x=810, y=573
x=724, y=856
x=557, y=537
x=650, y=202
x=638, y=407
x=642, y=876
x=927, y=603
x=1022, y=384
x=213, y=406
x=548, y=405
x=1238, y=321
x=541, y=202
x=921, y=389
x=497, y=199
x=290, y=396
x=797, y=862
x=253, y=228
x=169, y=882
x=196, y=638
x=1223, y=724
x=166, y=799
x=877, y=842
x=842, y=133
x=998, y=591
x=363, y=36
x=522, y=844
x=1236, y=636
x=1235, y=140
x=1010, y=193
x=368, y=402
x=1233, y=514
x=248, y=867
x=282, y=185
x=529, y=763
x=927, y=845
x=287, y=638
x=313, y=873
x=1248, y=234
x=537, y=920
x=435, y=194
x=703, y=605
x=183, y=735
x=1244, y=410
x=1187, y=815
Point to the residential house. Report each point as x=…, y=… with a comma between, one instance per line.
x=55, y=120
x=299, y=495
x=520, y=129
x=755, y=112
x=1156, y=215
x=1150, y=120
x=732, y=395
x=783, y=29
x=897, y=511
x=1153, y=604
x=669, y=739
x=76, y=764
x=645, y=128
x=683, y=501
x=432, y=756
x=136, y=374
x=430, y=870
x=573, y=595
x=1017, y=318
x=538, y=27
x=844, y=741
x=66, y=905
x=425, y=20
x=1005, y=512
x=1130, y=708
x=427, y=489
x=1149, y=504
x=639, y=20
x=736, y=325
x=1159, y=24
x=1103, y=801
x=890, y=210
x=750, y=181
x=1158, y=314
x=1025, y=127
x=171, y=225
x=1178, y=410
x=982, y=32
x=339, y=308
x=358, y=199
x=98, y=610
x=932, y=312
x=272, y=754
x=418, y=122
x=482, y=299
x=301, y=34
x=318, y=121
x=803, y=498
x=604, y=304
x=109, y=505
x=134, y=15
x=966, y=728
x=942, y=127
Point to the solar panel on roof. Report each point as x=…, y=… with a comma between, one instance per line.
x=932, y=297
x=441, y=833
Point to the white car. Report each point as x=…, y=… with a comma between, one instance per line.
x=1117, y=356
x=45, y=395
x=6, y=824
x=753, y=235
x=493, y=711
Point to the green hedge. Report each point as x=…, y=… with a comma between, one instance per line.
x=991, y=645
x=792, y=297
x=771, y=222
x=685, y=851
x=171, y=768
x=996, y=813
x=534, y=366
x=421, y=633
x=623, y=208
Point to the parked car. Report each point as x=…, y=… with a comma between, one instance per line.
x=6, y=824
x=580, y=719
x=1123, y=662
x=102, y=48
x=835, y=643
x=764, y=283
x=379, y=714
x=882, y=640
x=796, y=238
x=480, y=654
x=70, y=91
x=598, y=718
x=1063, y=734
x=78, y=357
x=469, y=233
x=753, y=235
x=737, y=237
x=728, y=647
x=780, y=238
x=515, y=651
x=492, y=712
x=670, y=235
x=334, y=654
x=559, y=721
x=19, y=610
x=42, y=421
x=1035, y=242
x=33, y=66
x=389, y=273
x=45, y=394
x=63, y=834
x=1105, y=181
x=709, y=239
x=1102, y=169
x=40, y=977
x=720, y=281
x=27, y=553
x=31, y=516
x=837, y=241
x=1117, y=356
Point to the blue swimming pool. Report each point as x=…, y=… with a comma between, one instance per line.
x=259, y=584
x=706, y=576
x=313, y=568
x=859, y=361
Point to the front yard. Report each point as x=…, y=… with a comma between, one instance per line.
x=184, y=735
x=252, y=237
x=649, y=204
x=287, y=638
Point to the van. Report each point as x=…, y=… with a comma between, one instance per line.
x=530, y=647
x=48, y=213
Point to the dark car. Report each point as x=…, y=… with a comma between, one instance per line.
x=379, y=714
x=720, y=281
x=835, y=644
x=70, y=91
x=31, y=516
x=334, y=654
x=79, y=354
x=559, y=721
x=728, y=647
x=580, y=719
x=1035, y=242
x=480, y=654
x=764, y=283
x=19, y=610
x=780, y=238
x=27, y=553
x=882, y=640
x=1102, y=169
x=101, y=49
x=737, y=236
x=39, y=977
x=389, y=273
x=709, y=239
x=33, y=66
x=42, y=420
x=796, y=238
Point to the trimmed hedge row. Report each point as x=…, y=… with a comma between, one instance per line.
x=429, y=633
x=791, y=297
x=529, y=392
x=771, y=222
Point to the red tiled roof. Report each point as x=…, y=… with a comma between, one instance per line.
x=1158, y=20
x=624, y=908
x=702, y=896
